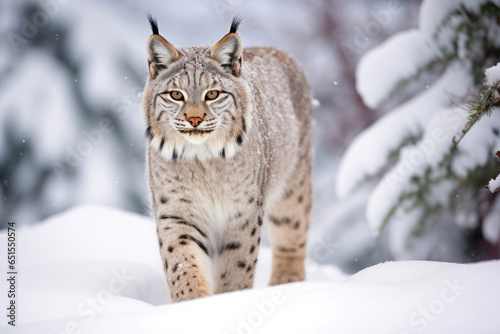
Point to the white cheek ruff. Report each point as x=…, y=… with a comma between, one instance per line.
x=211, y=146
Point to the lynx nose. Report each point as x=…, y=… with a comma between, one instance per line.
x=195, y=121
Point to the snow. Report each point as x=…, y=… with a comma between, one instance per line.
x=474, y=154
x=431, y=149
x=491, y=224
x=377, y=73
x=493, y=75
x=433, y=13
x=44, y=105
x=367, y=154
x=494, y=184
x=97, y=270
x=421, y=133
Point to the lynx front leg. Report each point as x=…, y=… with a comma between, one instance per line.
x=185, y=258
x=238, y=255
x=288, y=225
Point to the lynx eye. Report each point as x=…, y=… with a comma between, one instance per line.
x=176, y=95
x=212, y=95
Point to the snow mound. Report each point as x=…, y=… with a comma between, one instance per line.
x=97, y=270
x=493, y=75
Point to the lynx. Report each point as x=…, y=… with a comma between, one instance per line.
x=229, y=147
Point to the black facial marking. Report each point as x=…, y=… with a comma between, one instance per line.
x=223, y=153
x=239, y=140
x=174, y=155
x=159, y=115
x=162, y=143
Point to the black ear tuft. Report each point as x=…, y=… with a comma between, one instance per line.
x=235, y=24
x=154, y=24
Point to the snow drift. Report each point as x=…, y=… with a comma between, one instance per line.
x=98, y=270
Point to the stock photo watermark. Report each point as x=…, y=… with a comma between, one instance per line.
x=30, y=26
x=95, y=137
x=430, y=312
x=426, y=148
x=225, y=8
x=93, y=305
x=263, y=309
x=364, y=35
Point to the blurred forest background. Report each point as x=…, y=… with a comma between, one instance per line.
x=72, y=73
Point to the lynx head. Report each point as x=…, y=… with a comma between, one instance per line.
x=196, y=102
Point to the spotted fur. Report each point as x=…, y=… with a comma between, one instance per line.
x=246, y=162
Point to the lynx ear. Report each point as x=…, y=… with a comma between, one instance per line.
x=160, y=52
x=229, y=51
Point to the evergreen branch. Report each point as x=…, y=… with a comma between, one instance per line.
x=484, y=104
x=474, y=26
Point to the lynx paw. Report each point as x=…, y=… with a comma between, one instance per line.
x=287, y=270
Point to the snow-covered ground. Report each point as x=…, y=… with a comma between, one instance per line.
x=97, y=270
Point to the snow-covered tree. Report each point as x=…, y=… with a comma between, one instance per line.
x=70, y=127
x=437, y=149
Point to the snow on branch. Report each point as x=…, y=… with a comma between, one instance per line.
x=494, y=184
x=487, y=98
x=379, y=77
x=369, y=153
x=442, y=148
